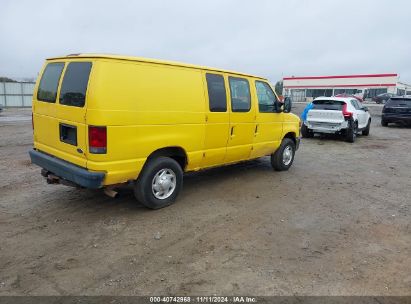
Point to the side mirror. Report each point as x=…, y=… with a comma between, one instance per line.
x=365, y=109
x=287, y=105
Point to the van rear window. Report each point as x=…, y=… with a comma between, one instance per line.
x=74, y=87
x=49, y=82
x=328, y=105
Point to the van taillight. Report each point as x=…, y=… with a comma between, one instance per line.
x=97, y=139
x=32, y=121
x=345, y=112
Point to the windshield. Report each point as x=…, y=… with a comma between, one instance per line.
x=328, y=105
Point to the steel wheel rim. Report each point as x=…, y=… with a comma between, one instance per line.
x=287, y=155
x=164, y=183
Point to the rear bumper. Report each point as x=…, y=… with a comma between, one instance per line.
x=396, y=117
x=67, y=171
x=326, y=127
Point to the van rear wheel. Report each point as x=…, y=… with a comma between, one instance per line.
x=159, y=183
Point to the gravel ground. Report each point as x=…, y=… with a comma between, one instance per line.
x=337, y=223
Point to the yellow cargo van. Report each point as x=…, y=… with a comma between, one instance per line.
x=104, y=120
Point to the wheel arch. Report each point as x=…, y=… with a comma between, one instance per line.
x=292, y=136
x=175, y=152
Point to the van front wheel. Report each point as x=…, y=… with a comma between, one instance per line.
x=159, y=183
x=283, y=158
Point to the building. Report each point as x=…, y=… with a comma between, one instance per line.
x=16, y=94
x=310, y=87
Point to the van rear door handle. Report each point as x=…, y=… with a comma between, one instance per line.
x=232, y=131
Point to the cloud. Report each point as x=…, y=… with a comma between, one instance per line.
x=268, y=38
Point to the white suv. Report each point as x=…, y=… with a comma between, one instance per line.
x=337, y=115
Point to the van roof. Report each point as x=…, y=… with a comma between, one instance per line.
x=150, y=60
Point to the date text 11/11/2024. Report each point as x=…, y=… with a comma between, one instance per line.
x=203, y=299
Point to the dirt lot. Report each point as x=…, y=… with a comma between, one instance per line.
x=338, y=223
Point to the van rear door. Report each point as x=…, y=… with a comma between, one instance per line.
x=59, y=111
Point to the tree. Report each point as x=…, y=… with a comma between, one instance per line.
x=28, y=79
x=279, y=87
x=6, y=79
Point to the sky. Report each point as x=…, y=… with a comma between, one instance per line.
x=273, y=39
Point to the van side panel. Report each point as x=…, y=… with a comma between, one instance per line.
x=242, y=127
x=145, y=107
x=217, y=126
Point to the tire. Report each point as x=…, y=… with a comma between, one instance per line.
x=384, y=123
x=305, y=132
x=282, y=160
x=167, y=186
x=351, y=133
x=366, y=131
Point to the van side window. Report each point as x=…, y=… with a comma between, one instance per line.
x=216, y=93
x=240, y=94
x=266, y=97
x=74, y=86
x=49, y=82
